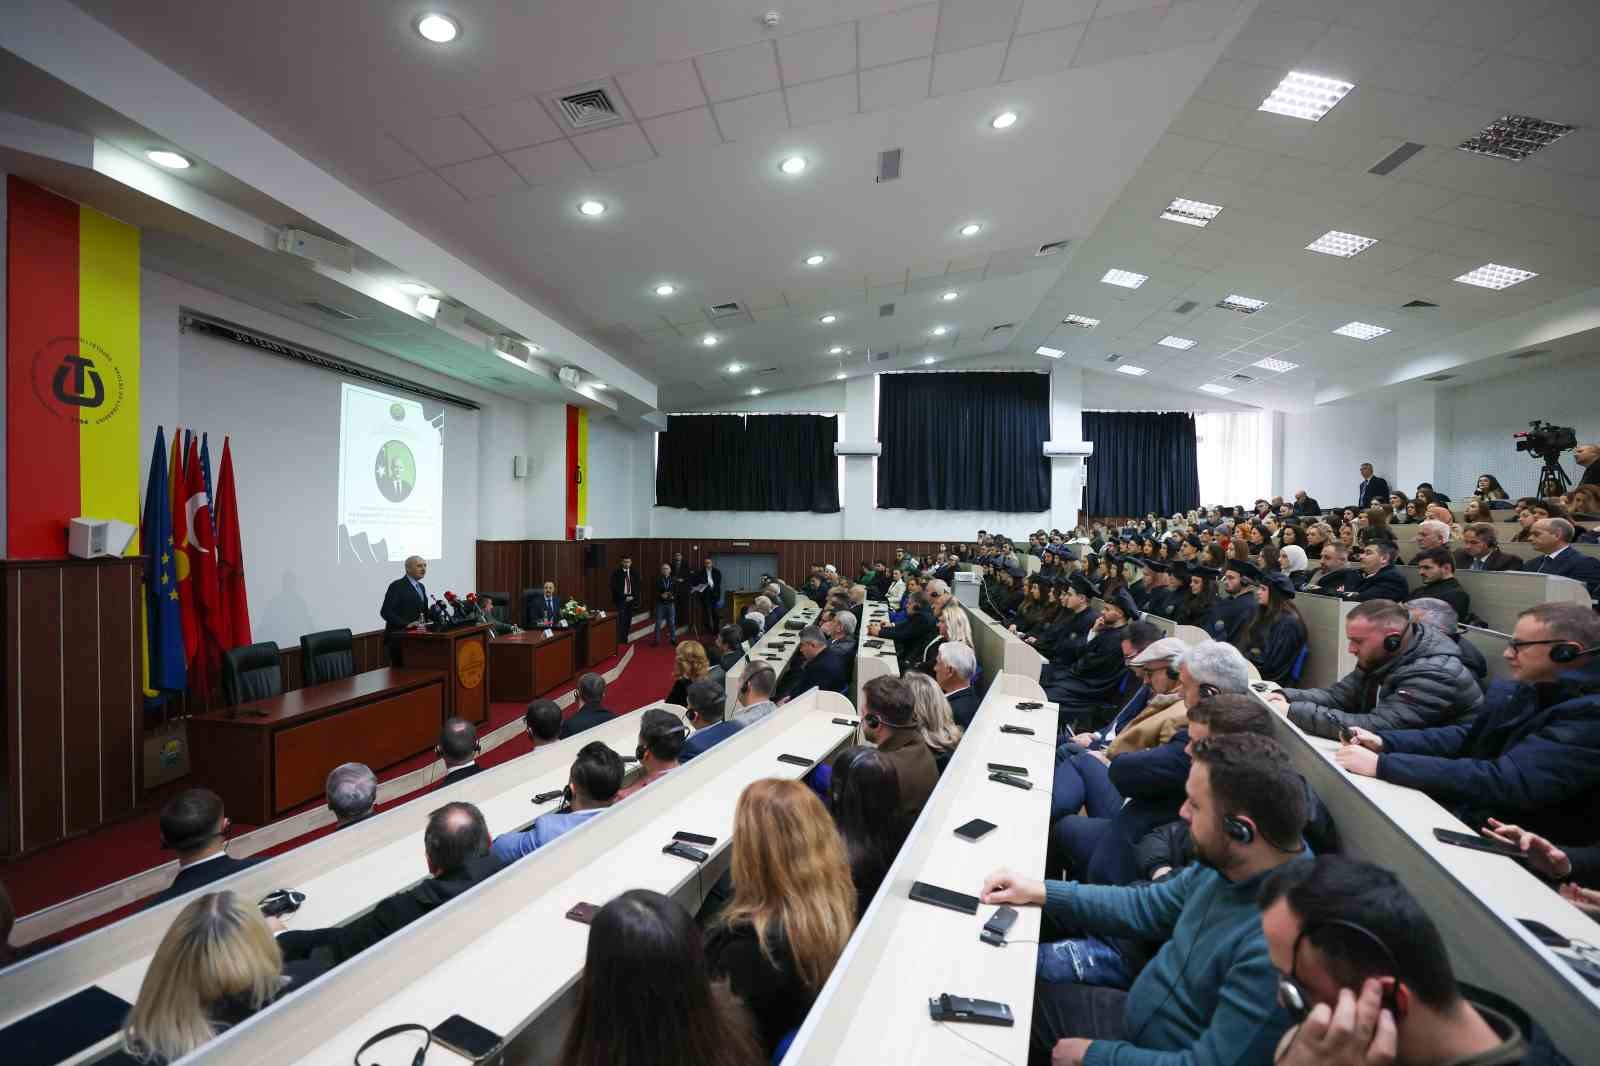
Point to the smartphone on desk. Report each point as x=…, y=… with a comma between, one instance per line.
x=1477, y=843
x=467, y=1038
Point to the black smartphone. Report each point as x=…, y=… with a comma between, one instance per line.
x=998, y=925
x=546, y=797
x=974, y=829
x=629, y=758
x=1347, y=735
x=466, y=1038
x=795, y=760
x=1020, y=729
x=1546, y=935
x=684, y=851
x=694, y=838
x=583, y=913
x=1029, y=705
x=1007, y=768
x=1012, y=780
x=846, y=721
x=1476, y=843
x=923, y=892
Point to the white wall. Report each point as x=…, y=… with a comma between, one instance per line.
x=621, y=478
x=1323, y=449
x=1477, y=422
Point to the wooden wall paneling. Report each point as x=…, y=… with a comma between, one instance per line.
x=121, y=603
x=81, y=705
x=37, y=621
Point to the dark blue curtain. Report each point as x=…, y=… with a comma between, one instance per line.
x=1143, y=462
x=964, y=442
x=748, y=463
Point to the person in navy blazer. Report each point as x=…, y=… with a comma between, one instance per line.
x=1552, y=538
x=706, y=705
x=404, y=602
x=826, y=667
x=1373, y=490
x=1378, y=578
x=544, y=609
x=194, y=825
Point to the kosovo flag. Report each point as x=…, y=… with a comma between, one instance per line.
x=163, y=625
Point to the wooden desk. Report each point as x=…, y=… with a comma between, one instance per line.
x=264, y=758
x=462, y=656
x=597, y=642
x=524, y=666
x=874, y=1007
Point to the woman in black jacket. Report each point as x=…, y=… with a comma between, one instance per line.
x=864, y=793
x=1274, y=639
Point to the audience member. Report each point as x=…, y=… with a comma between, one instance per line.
x=1530, y=753
x=1209, y=993
x=754, y=699
x=1567, y=865
x=1373, y=489
x=1276, y=636
x=591, y=709
x=1437, y=567
x=953, y=671
x=661, y=737
x=1081, y=678
x=193, y=825
x=793, y=905
x=911, y=635
x=935, y=722
x=1407, y=676
x=1586, y=456
x=1480, y=550
x=824, y=667
x=456, y=845
x=1552, y=539
x=216, y=965
x=1365, y=976
x=689, y=665
x=592, y=786
x=458, y=747
x=542, y=722
x=1488, y=487
x=1433, y=534
x=646, y=994
x=1305, y=506
x=1334, y=572
x=730, y=647
x=1442, y=616
x=1232, y=614
x=889, y=720
x=1378, y=577
x=351, y=790
x=863, y=794
x=707, y=704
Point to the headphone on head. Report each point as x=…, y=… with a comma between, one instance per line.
x=1393, y=641
x=872, y=720
x=1292, y=995
x=1570, y=651
x=1206, y=690
x=1239, y=829
x=396, y=1030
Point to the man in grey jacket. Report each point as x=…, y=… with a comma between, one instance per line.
x=1407, y=676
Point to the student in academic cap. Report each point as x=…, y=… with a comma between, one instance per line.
x=1200, y=596
x=1275, y=637
x=1097, y=671
x=1236, y=608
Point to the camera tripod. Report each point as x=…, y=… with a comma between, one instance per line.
x=1553, y=480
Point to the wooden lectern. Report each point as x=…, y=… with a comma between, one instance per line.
x=463, y=656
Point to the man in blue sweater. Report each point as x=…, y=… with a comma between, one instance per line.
x=1208, y=998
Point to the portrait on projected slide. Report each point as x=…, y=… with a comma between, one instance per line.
x=391, y=476
x=397, y=471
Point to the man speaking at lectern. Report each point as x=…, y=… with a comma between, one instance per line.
x=403, y=604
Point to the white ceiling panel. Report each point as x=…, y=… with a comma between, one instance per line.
x=739, y=71
x=823, y=53
x=614, y=146
x=754, y=116
x=517, y=124
x=547, y=163
x=683, y=132
x=1043, y=53
x=490, y=176
x=971, y=68
x=966, y=24
x=662, y=89
x=1121, y=36
x=823, y=101
x=899, y=36
x=1052, y=14
x=442, y=141
x=886, y=88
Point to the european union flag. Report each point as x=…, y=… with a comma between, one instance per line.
x=164, y=628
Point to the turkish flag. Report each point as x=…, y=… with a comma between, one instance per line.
x=188, y=619
x=200, y=539
x=235, y=607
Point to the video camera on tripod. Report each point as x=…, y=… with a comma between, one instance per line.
x=1547, y=442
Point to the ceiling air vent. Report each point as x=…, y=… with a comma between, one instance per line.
x=1241, y=379
x=1185, y=307
x=1529, y=354
x=888, y=165
x=1389, y=162
x=767, y=370
x=878, y=357
x=1417, y=305
x=1439, y=377
x=1515, y=137
x=731, y=309
x=331, y=311
x=592, y=107
x=1113, y=358
x=1053, y=248
x=1002, y=332
x=885, y=310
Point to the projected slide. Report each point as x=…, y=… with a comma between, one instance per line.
x=391, y=477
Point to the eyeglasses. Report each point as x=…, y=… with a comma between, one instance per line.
x=1516, y=646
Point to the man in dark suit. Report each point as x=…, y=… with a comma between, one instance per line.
x=1480, y=550
x=912, y=635
x=1588, y=457
x=1552, y=538
x=1305, y=506
x=1374, y=489
x=193, y=825
x=351, y=791
x=1334, y=573
x=591, y=690
x=1378, y=578
x=953, y=669
x=708, y=585
x=707, y=702
x=730, y=644
x=1438, y=570
x=456, y=843
x=825, y=667
x=544, y=609
x=404, y=604
x=625, y=597
x=458, y=747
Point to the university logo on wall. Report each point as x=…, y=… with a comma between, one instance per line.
x=78, y=380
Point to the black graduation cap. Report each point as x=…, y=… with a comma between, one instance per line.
x=1193, y=540
x=1248, y=571
x=1281, y=582
x=1211, y=572
x=1158, y=566
x=1124, y=601
x=1083, y=586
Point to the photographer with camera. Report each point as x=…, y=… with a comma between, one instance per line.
x=1547, y=441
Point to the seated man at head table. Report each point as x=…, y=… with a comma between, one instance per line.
x=1407, y=676
x=1365, y=976
x=456, y=844
x=1532, y=754
x=544, y=610
x=707, y=707
x=458, y=747
x=351, y=791
x=592, y=786
x=1209, y=995
x=194, y=825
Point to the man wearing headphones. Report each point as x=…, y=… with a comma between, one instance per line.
x=458, y=747
x=707, y=702
x=661, y=737
x=592, y=786
x=1210, y=992
x=1364, y=974
x=888, y=720
x=193, y=825
x=1532, y=755
x=755, y=695
x=1407, y=676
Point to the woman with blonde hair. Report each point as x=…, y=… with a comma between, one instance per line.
x=935, y=722
x=953, y=625
x=690, y=664
x=216, y=966
x=793, y=906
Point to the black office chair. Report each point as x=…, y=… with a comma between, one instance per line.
x=528, y=597
x=327, y=656
x=252, y=672
x=502, y=605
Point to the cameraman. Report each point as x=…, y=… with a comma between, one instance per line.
x=1587, y=456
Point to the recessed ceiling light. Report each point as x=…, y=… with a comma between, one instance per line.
x=1247, y=305
x=828, y=319
x=1129, y=368
x=1004, y=120
x=415, y=288
x=1514, y=137
x=1361, y=331
x=171, y=160
x=970, y=229
x=755, y=392
x=1125, y=278
x=1282, y=366
x=1495, y=276
x=592, y=208
x=1215, y=390
x=815, y=259
x=951, y=295
x=440, y=29
x=1046, y=350
x=1307, y=96
x=795, y=164
x=837, y=349
x=665, y=289
x=1191, y=212
x=1335, y=242
x=840, y=376
x=1081, y=321
x=710, y=340
x=928, y=360
x=602, y=386
x=939, y=331
x=1183, y=344
x=734, y=368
